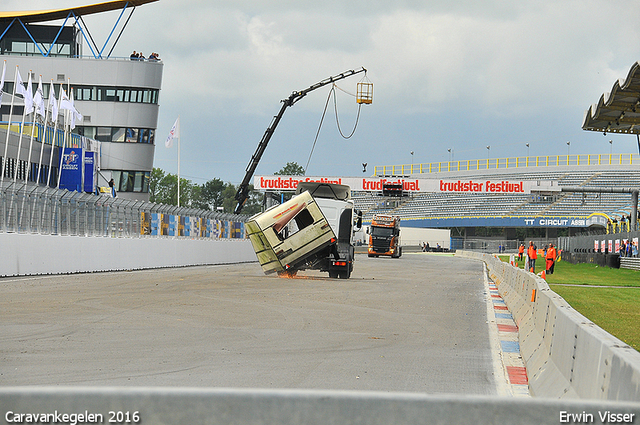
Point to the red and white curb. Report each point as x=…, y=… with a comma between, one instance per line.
x=509, y=369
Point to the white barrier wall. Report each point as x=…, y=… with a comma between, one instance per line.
x=32, y=254
x=294, y=407
x=566, y=355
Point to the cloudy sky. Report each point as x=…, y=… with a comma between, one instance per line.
x=458, y=75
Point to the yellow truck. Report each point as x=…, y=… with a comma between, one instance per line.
x=313, y=230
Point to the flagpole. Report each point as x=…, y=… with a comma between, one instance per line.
x=6, y=145
x=44, y=136
x=55, y=131
x=24, y=114
x=64, y=135
x=33, y=125
x=178, y=129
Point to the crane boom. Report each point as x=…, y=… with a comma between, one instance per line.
x=243, y=190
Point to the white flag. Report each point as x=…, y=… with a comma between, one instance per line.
x=75, y=115
x=20, y=85
x=173, y=134
x=28, y=98
x=53, y=103
x=65, y=103
x=4, y=70
x=38, y=99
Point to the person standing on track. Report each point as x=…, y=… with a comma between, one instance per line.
x=551, y=258
x=520, y=252
x=532, y=252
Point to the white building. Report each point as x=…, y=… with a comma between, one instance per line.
x=118, y=97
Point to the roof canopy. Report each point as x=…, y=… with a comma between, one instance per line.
x=618, y=111
x=56, y=14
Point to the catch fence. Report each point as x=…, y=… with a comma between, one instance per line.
x=30, y=208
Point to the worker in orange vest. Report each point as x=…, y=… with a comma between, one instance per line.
x=551, y=258
x=532, y=252
x=520, y=251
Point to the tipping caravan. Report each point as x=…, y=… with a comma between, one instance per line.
x=313, y=230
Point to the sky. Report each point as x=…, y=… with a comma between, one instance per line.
x=446, y=75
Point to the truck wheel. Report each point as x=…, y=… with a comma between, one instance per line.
x=333, y=274
x=344, y=275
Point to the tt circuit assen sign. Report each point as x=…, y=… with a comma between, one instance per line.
x=376, y=184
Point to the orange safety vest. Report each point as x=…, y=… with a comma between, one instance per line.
x=532, y=253
x=551, y=254
x=521, y=249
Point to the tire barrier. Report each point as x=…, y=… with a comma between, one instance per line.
x=566, y=355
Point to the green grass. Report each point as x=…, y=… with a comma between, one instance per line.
x=615, y=309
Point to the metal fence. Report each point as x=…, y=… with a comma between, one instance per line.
x=30, y=208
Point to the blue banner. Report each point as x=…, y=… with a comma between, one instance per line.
x=71, y=169
x=89, y=171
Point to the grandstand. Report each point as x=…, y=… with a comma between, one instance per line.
x=520, y=210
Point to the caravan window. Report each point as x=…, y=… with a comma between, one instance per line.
x=302, y=220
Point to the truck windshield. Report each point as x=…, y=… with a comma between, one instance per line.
x=382, y=231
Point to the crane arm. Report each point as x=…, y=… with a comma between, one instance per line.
x=243, y=190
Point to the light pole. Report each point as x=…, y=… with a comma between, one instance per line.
x=449, y=150
x=411, y=163
x=488, y=149
x=527, y=145
x=568, y=149
x=610, y=147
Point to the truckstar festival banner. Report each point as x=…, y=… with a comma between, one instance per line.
x=376, y=184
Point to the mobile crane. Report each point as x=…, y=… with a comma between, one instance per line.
x=243, y=190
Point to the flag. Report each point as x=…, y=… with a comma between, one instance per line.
x=65, y=103
x=38, y=99
x=28, y=98
x=173, y=134
x=4, y=70
x=75, y=115
x=53, y=103
x=20, y=85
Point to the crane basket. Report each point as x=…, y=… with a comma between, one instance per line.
x=364, y=91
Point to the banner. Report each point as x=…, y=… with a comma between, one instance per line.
x=71, y=170
x=89, y=172
x=376, y=184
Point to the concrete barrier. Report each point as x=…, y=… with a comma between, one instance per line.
x=33, y=254
x=566, y=355
x=293, y=407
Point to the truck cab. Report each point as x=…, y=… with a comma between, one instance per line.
x=384, y=236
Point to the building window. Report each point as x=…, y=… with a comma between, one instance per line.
x=117, y=134
x=131, y=181
x=112, y=94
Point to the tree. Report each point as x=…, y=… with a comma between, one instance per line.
x=163, y=189
x=291, y=169
x=209, y=195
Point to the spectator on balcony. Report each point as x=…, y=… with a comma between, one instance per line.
x=134, y=56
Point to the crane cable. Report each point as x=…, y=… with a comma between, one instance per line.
x=335, y=105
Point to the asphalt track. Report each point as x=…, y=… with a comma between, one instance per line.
x=418, y=323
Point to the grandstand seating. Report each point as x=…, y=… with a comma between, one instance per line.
x=436, y=205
